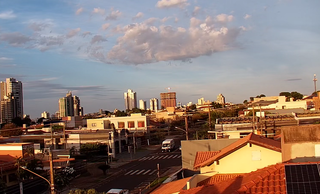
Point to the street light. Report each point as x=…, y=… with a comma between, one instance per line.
x=186, y=131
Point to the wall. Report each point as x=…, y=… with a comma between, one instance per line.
x=190, y=148
x=241, y=160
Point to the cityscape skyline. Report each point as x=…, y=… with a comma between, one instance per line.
x=99, y=49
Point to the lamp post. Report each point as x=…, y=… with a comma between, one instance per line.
x=186, y=131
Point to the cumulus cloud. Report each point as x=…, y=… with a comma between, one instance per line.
x=97, y=38
x=98, y=10
x=7, y=15
x=196, y=11
x=142, y=43
x=105, y=26
x=139, y=15
x=224, y=18
x=73, y=32
x=38, y=26
x=86, y=34
x=79, y=11
x=247, y=16
x=15, y=38
x=113, y=15
x=172, y=3
x=150, y=21
x=5, y=59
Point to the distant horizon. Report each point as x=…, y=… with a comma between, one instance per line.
x=99, y=49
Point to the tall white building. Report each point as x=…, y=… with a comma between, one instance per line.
x=221, y=99
x=70, y=106
x=142, y=104
x=201, y=101
x=11, y=97
x=130, y=100
x=154, y=104
x=45, y=115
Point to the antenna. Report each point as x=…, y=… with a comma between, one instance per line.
x=168, y=88
x=315, y=84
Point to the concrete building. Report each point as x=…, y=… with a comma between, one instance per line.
x=45, y=115
x=154, y=104
x=11, y=100
x=221, y=99
x=70, y=106
x=142, y=104
x=130, y=99
x=168, y=99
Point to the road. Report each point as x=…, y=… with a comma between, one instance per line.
x=140, y=173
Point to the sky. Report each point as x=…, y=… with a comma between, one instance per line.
x=98, y=49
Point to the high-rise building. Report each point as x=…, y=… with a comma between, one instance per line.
x=70, y=106
x=11, y=97
x=154, y=104
x=130, y=99
x=221, y=99
x=168, y=99
x=142, y=104
x=45, y=115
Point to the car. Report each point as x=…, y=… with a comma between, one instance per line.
x=118, y=191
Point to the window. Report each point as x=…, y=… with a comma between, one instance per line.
x=121, y=125
x=140, y=123
x=130, y=124
x=93, y=124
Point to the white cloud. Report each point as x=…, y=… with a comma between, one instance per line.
x=113, y=15
x=38, y=26
x=84, y=34
x=247, y=16
x=224, y=18
x=7, y=15
x=150, y=21
x=98, y=10
x=196, y=11
x=79, y=11
x=105, y=26
x=73, y=32
x=163, y=20
x=97, y=39
x=139, y=15
x=142, y=43
x=172, y=3
x=5, y=59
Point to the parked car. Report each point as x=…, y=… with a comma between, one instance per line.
x=118, y=191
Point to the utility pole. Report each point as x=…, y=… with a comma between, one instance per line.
x=51, y=173
x=64, y=136
x=186, y=123
x=134, y=143
x=209, y=107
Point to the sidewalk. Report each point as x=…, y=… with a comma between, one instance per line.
x=95, y=176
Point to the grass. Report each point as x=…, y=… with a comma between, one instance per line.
x=157, y=181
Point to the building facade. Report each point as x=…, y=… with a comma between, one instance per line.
x=45, y=115
x=221, y=99
x=154, y=104
x=70, y=106
x=130, y=99
x=11, y=97
x=142, y=104
x=168, y=99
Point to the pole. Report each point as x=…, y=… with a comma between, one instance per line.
x=134, y=143
x=315, y=83
x=209, y=117
x=158, y=167
x=64, y=136
x=51, y=173
x=186, y=122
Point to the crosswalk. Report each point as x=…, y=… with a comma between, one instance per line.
x=141, y=172
x=160, y=157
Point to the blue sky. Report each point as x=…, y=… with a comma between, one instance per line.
x=98, y=49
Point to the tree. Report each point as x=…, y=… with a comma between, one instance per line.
x=216, y=105
x=260, y=96
x=295, y=95
x=286, y=94
x=251, y=99
x=193, y=107
x=18, y=121
x=245, y=102
x=121, y=114
x=81, y=191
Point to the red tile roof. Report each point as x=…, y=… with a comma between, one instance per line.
x=171, y=187
x=217, y=179
x=204, y=156
x=251, y=138
x=270, y=180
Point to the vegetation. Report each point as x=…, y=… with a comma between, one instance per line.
x=81, y=191
x=57, y=128
x=120, y=114
x=216, y=105
x=295, y=95
x=10, y=129
x=193, y=107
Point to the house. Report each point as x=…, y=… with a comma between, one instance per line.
x=245, y=155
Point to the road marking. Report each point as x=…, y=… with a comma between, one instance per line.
x=128, y=172
x=151, y=158
x=160, y=157
x=133, y=172
x=157, y=157
x=140, y=172
x=175, y=156
x=152, y=172
x=179, y=156
x=143, y=158
x=146, y=172
x=165, y=157
x=170, y=156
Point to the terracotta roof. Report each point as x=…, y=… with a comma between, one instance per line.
x=270, y=180
x=171, y=187
x=204, y=156
x=251, y=138
x=217, y=179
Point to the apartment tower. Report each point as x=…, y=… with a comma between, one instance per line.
x=142, y=104
x=168, y=99
x=154, y=104
x=70, y=106
x=11, y=100
x=130, y=100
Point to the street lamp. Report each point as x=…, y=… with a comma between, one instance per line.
x=186, y=131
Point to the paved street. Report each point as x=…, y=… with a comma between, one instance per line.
x=140, y=173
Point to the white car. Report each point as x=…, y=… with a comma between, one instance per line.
x=118, y=191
